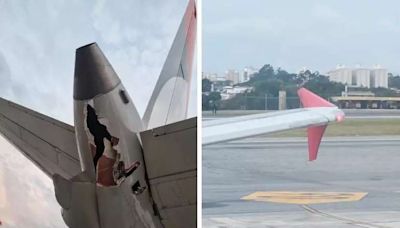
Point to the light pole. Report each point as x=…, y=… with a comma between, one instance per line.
x=266, y=101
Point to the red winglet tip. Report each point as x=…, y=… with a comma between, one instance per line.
x=314, y=140
x=309, y=99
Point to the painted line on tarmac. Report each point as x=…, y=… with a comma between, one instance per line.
x=343, y=219
x=297, y=197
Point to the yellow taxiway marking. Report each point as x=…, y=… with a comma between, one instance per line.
x=305, y=197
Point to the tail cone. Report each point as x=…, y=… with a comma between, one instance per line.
x=93, y=73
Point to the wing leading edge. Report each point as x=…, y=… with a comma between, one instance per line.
x=49, y=143
x=316, y=115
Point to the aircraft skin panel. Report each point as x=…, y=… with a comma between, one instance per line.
x=172, y=171
x=107, y=127
x=186, y=214
x=169, y=100
x=170, y=189
x=49, y=143
x=252, y=125
x=178, y=157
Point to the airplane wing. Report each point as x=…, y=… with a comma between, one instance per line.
x=170, y=155
x=49, y=143
x=315, y=115
x=170, y=97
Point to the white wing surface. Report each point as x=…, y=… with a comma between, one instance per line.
x=316, y=115
x=246, y=126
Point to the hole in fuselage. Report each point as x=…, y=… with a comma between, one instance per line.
x=137, y=189
x=109, y=167
x=99, y=132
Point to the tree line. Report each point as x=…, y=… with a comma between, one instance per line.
x=269, y=81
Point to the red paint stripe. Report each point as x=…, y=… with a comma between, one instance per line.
x=309, y=99
x=191, y=28
x=314, y=140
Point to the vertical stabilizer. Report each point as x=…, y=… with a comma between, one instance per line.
x=169, y=101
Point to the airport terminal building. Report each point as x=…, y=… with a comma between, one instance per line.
x=358, y=81
x=353, y=99
x=360, y=102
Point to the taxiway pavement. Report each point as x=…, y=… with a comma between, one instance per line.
x=358, y=164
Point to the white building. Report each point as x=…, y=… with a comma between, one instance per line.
x=341, y=74
x=248, y=73
x=232, y=75
x=360, y=77
x=379, y=77
x=231, y=91
x=211, y=76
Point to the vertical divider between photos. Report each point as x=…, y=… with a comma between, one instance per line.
x=199, y=64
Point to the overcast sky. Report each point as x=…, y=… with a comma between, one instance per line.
x=37, y=52
x=294, y=34
x=38, y=42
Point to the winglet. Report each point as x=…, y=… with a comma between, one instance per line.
x=309, y=100
x=314, y=140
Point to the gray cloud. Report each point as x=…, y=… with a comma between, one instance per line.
x=293, y=34
x=5, y=75
x=27, y=193
x=41, y=40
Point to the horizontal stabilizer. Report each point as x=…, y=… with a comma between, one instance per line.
x=49, y=143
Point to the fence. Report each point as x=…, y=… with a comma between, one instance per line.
x=257, y=103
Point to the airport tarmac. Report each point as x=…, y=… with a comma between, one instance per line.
x=360, y=165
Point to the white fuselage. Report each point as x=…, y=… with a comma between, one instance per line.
x=97, y=199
